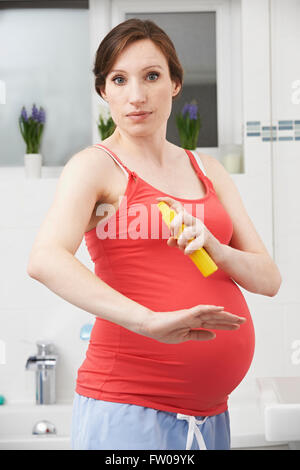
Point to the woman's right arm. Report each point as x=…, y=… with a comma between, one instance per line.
x=52, y=262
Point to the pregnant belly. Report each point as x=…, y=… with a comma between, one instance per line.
x=194, y=375
x=202, y=373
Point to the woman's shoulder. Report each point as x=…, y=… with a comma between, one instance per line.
x=209, y=163
x=91, y=153
x=92, y=159
x=91, y=165
x=216, y=173
x=221, y=179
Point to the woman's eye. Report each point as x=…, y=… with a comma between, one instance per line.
x=116, y=78
x=119, y=77
x=153, y=73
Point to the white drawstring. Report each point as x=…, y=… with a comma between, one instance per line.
x=193, y=430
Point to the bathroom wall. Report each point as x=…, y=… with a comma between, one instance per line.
x=29, y=311
x=285, y=86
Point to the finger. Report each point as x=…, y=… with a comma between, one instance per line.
x=223, y=316
x=172, y=242
x=187, y=218
x=229, y=317
x=201, y=308
x=224, y=320
x=191, y=240
x=194, y=245
x=172, y=203
x=201, y=335
x=188, y=234
x=176, y=224
x=220, y=326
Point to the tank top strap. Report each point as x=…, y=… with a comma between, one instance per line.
x=194, y=157
x=116, y=159
x=196, y=161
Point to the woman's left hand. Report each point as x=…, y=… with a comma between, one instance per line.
x=194, y=230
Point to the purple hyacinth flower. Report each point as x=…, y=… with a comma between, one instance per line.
x=185, y=109
x=41, y=117
x=191, y=109
x=35, y=113
x=24, y=114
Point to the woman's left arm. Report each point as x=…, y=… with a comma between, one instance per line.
x=246, y=260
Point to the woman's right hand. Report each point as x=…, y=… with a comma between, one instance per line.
x=179, y=325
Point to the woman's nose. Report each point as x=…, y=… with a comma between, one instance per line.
x=137, y=93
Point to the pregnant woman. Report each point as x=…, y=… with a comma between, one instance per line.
x=168, y=345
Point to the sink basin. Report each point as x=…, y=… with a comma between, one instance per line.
x=280, y=399
x=17, y=422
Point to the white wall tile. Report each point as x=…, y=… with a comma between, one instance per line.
x=268, y=320
x=22, y=328
x=291, y=349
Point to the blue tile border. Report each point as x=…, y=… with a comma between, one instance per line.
x=285, y=123
x=285, y=130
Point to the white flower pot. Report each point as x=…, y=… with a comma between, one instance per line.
x=33, y=165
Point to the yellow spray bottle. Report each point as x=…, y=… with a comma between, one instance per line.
x=200, y=257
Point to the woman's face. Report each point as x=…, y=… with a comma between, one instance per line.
x=140, y=81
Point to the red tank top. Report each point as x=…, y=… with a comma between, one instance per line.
x=194, y=377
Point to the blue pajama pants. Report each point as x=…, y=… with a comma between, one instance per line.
x=99, y=424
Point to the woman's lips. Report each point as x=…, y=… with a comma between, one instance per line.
x=138, y=117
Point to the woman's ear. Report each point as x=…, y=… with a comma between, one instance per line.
x=176, y=88
x=103, y=94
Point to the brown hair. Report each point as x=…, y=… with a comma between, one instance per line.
x=126, y=33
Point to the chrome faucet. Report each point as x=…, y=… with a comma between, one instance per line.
x=44, y=365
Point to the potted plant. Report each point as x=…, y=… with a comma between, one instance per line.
x=106, y=125
x=31, y=129
x=189, y=124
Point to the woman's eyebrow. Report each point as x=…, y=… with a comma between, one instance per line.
x=148, y=67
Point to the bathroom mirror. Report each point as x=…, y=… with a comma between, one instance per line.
x=45, y=59
x=207, y=38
